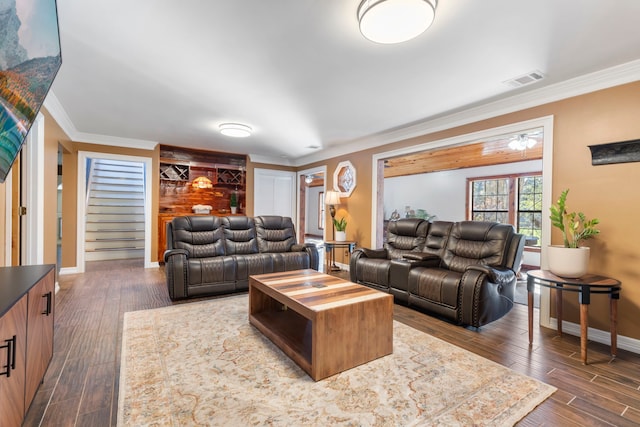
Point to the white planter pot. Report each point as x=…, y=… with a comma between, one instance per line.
x=341, y=236
x=568, y=262
x=234, y=209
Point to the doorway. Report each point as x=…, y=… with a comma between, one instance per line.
x=85, y=160
x=311, y=208
x=546, y=126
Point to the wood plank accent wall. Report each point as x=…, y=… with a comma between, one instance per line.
x=178, y=196
x=459, y=157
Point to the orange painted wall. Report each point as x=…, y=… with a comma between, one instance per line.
x=609, y=192
x=52, y=134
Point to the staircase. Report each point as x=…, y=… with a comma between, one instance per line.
x=114, y=227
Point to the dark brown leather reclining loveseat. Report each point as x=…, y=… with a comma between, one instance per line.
x=463, y=271
x=209, y=255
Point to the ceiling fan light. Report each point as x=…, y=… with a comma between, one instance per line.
x=522, y=142
x=236, y=130
x=395, y=21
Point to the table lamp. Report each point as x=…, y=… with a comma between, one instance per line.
x=332, y=198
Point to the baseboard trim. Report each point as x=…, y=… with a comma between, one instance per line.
x=343, y=267
x=68, y=270
x=598, y=335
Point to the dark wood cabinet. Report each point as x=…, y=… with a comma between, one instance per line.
x=26, y=336
x=39, y=333
x=13, y=331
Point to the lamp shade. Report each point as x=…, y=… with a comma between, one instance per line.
x=395, y=21
x=332, y=198
x=202, y=182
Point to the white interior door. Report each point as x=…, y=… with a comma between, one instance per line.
x=274, y=193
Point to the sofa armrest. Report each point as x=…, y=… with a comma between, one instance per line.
x=312, y=250
x=363, y=253
x=177, y=272
x=374, y=253
x=170, y=252
x=314, y=257
x=421, y=256
x=499, y=276
x=486, y=294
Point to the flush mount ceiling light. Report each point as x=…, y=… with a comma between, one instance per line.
x=395, y=21
x=522, y=142
x=235, y=130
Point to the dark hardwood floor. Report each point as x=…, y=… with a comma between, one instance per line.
x=81, y=384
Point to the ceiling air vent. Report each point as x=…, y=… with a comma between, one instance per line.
x=525, y=79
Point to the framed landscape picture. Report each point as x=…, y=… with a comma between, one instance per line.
x=29, y=61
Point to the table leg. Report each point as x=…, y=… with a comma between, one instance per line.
x=614, y=325
x=530, y=308
x=327, y=260
x=333, y=266
x=584, y=331
x=559, y=310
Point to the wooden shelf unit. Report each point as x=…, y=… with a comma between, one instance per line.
x=174, y=172
x=179, y=167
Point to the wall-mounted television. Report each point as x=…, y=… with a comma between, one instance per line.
x=29, y=61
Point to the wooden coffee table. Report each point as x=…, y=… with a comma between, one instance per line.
x=325, y=324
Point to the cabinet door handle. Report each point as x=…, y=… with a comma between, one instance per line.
x=48, y=297
x=11, y=356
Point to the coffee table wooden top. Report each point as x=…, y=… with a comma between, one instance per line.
x=313, y=291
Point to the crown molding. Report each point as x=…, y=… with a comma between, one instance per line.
x=59, y=114
x=269, y=160
x=116, y=141
x=610, y=77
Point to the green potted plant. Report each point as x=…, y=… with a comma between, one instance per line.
x=233, y=202
x=570, y=259
x=341, y=226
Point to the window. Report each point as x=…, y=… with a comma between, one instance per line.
x=509, y=199
x=530, y=208
x=321, y=210
x=490, y=200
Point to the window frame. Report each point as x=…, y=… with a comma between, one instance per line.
x=513, y=186
x=321, y=218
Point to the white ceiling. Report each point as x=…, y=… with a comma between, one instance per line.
x=302, y=76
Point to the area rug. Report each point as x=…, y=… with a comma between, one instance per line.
x=203, y=364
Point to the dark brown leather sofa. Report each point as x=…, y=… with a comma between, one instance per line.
x=209, y=255
x=464, y=271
